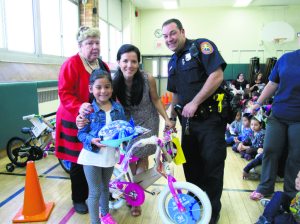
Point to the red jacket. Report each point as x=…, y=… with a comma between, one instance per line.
x=73, y=90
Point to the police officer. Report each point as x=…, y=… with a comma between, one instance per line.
x=195, y=73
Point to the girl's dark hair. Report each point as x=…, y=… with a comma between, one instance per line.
x=136, y=92
x=262, y=123
x=99, y=74
x=247, y=115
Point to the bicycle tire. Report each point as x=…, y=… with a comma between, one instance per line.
x=165, y=197
x=14, y=145
x=66, y=165
x=116, y=203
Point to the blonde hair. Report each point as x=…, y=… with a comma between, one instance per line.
x=84, y=32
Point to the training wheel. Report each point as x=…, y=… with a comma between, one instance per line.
x=45, y=154
x=10, y=167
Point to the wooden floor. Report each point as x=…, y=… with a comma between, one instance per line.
x=55, y=183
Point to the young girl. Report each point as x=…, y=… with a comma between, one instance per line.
x=245, y=133
x=98, y=160
x=254, y=163
x=234, y=129
x=248, y=148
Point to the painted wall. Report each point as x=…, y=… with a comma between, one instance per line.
x=236, y=31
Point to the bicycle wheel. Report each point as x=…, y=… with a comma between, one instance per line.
x=116, y=201
x=17, y=151
x=195, y=201
x=65, y=164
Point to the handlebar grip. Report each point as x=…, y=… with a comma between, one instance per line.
x=49, y=115
x=28, y=117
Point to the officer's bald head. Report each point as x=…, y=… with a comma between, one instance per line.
x=176, y=21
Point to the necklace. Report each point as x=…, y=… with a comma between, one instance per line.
x=90, y=67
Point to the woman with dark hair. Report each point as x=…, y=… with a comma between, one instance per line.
x=137, y=93
x=258, y=85
x=240, y=84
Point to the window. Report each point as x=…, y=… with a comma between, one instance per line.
x=110, y=24
x=115, y=42
x=70, y=27
x=38, y=27
x=103, y=40
x=50, y=27
x=1, y=28
x=63, y=27
x=115, y=13
x=19, y=25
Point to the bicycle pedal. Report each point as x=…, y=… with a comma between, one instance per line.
x=24, y=155
x=156, y=191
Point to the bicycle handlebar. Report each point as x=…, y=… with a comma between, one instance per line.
x=28, y=117
x=49, y=115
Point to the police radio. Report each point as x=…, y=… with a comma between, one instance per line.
x=194, y=51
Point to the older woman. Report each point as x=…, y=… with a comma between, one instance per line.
x=73, y=90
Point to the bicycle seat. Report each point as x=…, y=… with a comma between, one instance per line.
x=25, y=130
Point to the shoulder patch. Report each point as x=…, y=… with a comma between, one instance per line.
x=206, y=48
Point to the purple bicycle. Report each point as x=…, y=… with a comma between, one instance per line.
x=179, y=202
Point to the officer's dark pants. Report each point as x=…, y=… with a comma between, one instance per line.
x=281, y=136
x=205, y=152
x=79, y=184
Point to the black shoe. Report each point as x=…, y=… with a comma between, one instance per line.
x=80, y=207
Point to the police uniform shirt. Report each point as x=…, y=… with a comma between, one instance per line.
x=189, y=69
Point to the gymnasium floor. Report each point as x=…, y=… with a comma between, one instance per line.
x=237, y=207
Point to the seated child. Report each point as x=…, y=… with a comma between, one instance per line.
x=245, y=132
x=254, y=163
x=247, y=106
x=248, y=148
x=234, y=129
x=282, y=209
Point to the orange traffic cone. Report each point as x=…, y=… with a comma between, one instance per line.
x=167, y=98
x=34, y=209
x=170, y=97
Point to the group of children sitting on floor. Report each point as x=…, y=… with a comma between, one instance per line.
x=246, y=134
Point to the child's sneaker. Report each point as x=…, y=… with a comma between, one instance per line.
x=264, y=201
x=107, y=219
x=262, y=220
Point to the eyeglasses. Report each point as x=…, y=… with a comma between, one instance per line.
x=83, y=28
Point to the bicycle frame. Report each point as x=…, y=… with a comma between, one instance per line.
x=137, y=186
x=37, y=145
x=44, y=138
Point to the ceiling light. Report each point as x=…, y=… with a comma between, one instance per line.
x=242, y=3
x=170, y=4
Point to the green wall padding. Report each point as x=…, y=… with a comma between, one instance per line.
x=232, y=70
x=48, y=83
x=17, y=100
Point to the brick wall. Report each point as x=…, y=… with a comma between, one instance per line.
x=87, y=17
